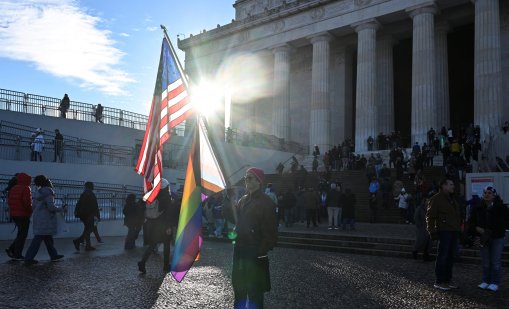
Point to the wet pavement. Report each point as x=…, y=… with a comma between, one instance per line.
x=108, y=278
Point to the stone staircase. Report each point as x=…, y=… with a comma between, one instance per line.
x=397, y=247
x=367, y=245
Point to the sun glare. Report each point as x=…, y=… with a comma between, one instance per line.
x=206, y=97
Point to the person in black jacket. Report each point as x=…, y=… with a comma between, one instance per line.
x=489, y=219
x=133, y=219
x=86, y=209
x=254, y=217
x=162, y=219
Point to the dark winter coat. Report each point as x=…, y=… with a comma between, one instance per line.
x=349, y=202
x=20, y=197
x=443, y=214
x=255, y=219
x=87, y=206
x=494, y=218
x=156, y=228
x=134, y=214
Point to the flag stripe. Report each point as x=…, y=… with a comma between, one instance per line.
x=170, y=90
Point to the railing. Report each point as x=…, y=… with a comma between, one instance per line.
x=110, y=197
x=41, y=105
x=48, y=106
x=261, y=140
x=15, y=144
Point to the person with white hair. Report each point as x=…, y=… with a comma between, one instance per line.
x=489, y=220
x=162, y=219
x=403, y=204
x=38, y=145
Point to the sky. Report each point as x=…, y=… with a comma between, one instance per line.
x=97, y=51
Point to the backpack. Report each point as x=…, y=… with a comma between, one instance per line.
x=152, y=210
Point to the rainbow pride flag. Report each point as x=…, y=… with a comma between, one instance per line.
x=189, y=238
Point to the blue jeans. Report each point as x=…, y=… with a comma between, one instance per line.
x=491, y=256
x=219, y=227
x=36, y=244
x=447, y=243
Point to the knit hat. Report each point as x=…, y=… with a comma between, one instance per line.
x=164, y=183
x=490, y=188
x=258, y=173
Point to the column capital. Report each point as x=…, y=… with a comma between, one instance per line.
x=282, y=48
x=442, y=26
x=366, y=24
x=386, y=38
x=428, y=7
x=319, y=37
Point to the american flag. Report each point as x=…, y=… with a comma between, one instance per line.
x=170, y=106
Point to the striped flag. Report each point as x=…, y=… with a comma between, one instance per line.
x=203, y=173
x=170, y=106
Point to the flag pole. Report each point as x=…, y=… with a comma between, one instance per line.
x=179, y=65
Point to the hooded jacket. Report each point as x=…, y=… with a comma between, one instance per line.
x=45, y=212
x=20, y=197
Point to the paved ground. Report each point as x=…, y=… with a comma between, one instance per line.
x=108, y=278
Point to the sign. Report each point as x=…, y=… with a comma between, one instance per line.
x=479, y=183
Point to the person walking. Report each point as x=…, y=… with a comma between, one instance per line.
x=162, y=220
x=256, y=234
x=489, y=220
x=20, y=210
x=133, y=219
x=45, y=220
x=65, y=103
x=443, y=222
x=86, y=210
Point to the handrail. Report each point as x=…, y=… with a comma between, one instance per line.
x=48, y=106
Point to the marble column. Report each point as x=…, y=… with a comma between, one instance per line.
x=342, y=93
x=385, y=87
x=366, y=122
x=442, y=74
x=320, y=111
x=281, y=92
x=424, y=95
x=488, y=104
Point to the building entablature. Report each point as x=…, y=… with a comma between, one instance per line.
x=297, y=23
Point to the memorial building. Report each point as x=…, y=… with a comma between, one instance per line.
x=320, y=71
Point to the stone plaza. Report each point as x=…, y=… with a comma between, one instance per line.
x=108, y=278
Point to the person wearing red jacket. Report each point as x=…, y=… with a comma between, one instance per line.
x=20, y=209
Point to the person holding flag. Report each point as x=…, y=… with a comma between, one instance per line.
x=162, y=220
x=254, y=217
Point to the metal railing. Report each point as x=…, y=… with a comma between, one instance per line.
x=41, y=105
x=16, y=140
x=110, y=197
x=48, y=106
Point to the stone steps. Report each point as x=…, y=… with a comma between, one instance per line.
x=377, y=246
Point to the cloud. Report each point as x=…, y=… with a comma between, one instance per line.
x=151, y=29
x=124, y=34
x=60, y=38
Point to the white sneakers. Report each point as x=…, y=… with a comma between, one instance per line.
x=491, y=287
